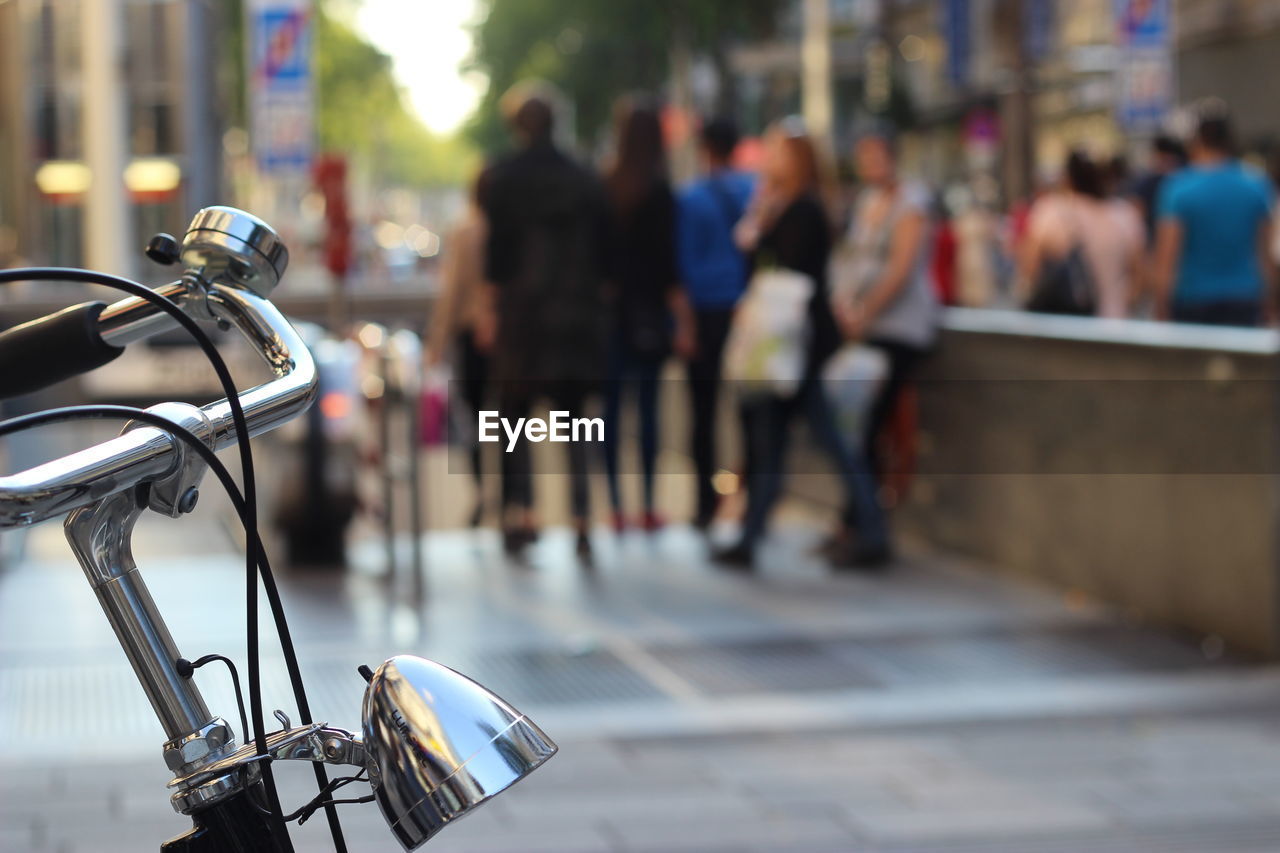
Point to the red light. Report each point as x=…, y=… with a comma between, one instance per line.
x=335, y=405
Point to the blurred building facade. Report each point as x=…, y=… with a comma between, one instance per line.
x=1009, y=86
x=172, y=120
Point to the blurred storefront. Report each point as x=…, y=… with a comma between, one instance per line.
x=1042, y=76
x=172, y=124
x=1229, y=50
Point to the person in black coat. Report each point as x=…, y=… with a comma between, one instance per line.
x=545, y=260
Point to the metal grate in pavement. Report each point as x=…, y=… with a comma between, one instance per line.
x=99, y=700
x=764, y=666
x=547, y=678
x=1021, y=654
x=96, y=699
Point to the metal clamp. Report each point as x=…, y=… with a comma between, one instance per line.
x=196, y=748
x=316, y=742
x=177, y=493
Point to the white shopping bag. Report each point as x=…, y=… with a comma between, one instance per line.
x=851, y=380
x=769, y=339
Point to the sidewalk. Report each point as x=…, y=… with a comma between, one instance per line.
x=931, y=709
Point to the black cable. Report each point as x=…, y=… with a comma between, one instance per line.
x=255, y=554
x=235, y=683
x=246, y=464
x=219, y=470
x=324, y=798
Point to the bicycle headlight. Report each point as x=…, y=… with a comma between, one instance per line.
x=439, y=744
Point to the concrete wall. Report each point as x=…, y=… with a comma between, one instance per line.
x=1134, y=462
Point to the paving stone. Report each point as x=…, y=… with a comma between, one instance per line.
x=747, y=834
x=990, y=821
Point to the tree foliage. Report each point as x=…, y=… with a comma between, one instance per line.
x=362, y=113
x=595, y=51
x=360, y=110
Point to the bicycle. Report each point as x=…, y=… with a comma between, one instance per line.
x=433, y=744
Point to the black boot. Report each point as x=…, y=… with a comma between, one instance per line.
x=740, y=556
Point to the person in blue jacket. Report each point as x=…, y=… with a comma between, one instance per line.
x=714, y=271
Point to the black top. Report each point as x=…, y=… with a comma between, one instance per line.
x=546, y=254
x=642, y=266
x=800, y=239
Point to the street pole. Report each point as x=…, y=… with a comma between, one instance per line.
x=684, y=160
x=815, y=60
x=1016, y=109
x=202, y=139
x=109, y=244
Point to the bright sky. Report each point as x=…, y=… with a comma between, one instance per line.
x=427, y=40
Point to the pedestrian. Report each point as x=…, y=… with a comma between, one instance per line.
x=652, y=315
x=1212, y=242
x=1080, y=238
x=545, y=263
x=714, y=273
x=461, y=320
x=884, y=298
x=1168, y=156
x=787, y=226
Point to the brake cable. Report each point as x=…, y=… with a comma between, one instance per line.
x=256, y=562
x=89, y=412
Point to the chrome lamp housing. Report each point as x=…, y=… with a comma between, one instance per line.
x=438, y=744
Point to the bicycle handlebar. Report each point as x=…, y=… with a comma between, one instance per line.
x=143, y=454
x=53, y=348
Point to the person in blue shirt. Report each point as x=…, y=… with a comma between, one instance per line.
x=1212, y=264
x=714, y=272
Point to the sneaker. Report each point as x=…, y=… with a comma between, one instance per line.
x=513, y=541
x=865, y=558
x=583, y=547
x=516, y=539
x=832, y=548
x=740, y=556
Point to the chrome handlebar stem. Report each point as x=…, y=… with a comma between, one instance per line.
x=232, y=263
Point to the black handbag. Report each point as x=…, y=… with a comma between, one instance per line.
x=1065, y=286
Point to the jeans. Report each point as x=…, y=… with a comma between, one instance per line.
x=474, y=366
x=627, y=368
x=766, y=425
x=704, y=394
x=902, y=361
x=1221, y=313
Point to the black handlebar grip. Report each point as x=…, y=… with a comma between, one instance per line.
x=37, y=354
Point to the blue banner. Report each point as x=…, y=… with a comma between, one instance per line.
x=1144, y=73
x=281, y=102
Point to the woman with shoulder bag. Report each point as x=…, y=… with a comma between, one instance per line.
x=1083, y=252
x=787, y=227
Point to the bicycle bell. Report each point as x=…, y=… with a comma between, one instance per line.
x=228, y=246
